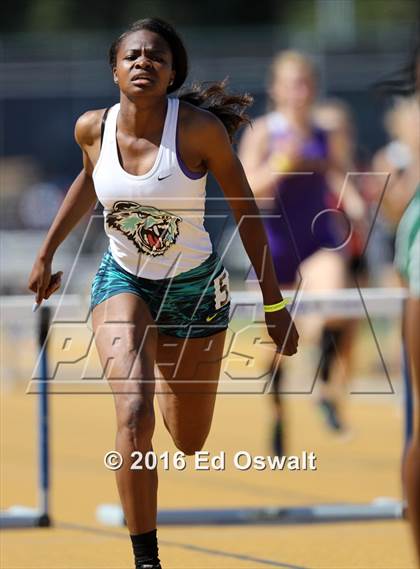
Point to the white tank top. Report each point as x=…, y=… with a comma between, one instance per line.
x=154, y=222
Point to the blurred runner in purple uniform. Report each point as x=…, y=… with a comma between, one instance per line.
x=286, y=156
x=335, y=117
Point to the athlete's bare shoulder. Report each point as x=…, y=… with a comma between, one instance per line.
x=195, y=120
x=88, y=127
x=201, y=134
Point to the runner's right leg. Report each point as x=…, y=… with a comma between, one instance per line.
x=125, y=338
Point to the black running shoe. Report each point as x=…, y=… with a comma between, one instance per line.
x=278, y=439
x=329, y=411
x=149, y=566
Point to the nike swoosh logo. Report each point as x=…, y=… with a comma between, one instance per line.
x=164, y=177
x=210, y=318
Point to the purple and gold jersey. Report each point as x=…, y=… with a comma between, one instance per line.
x=300, y=226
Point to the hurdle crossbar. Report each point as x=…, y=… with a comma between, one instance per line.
x=348, y=302
x=386, y=509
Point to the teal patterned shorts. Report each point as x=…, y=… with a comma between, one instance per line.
x=193, y=304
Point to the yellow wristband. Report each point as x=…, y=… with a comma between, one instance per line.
x=278, y=306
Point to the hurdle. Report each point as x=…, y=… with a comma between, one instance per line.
x=22, y=516
x=380, y=509
x=344, y=303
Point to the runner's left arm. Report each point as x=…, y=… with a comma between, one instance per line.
x=221, y=160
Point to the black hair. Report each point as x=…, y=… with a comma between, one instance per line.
x=403, y=82
x=228, y=107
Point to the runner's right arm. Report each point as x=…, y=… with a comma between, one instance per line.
x=78, y=201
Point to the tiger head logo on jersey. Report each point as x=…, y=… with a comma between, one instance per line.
x=151, y=230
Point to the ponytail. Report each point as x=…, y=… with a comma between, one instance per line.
x=228, y=107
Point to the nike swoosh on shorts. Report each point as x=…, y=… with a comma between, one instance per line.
x=210, y=318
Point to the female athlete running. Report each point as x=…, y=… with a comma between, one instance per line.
x=285, y=157
x=160, y=284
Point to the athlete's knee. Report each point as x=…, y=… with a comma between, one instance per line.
x=136, y=418
x=123, y=348
x=191, y=445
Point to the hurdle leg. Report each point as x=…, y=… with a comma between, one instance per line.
x=22, y=516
